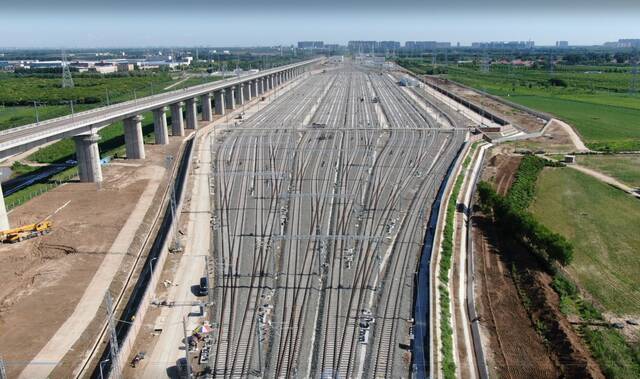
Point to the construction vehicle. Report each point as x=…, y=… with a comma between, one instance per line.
x=25, y=232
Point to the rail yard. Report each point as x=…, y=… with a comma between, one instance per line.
x=320, y=205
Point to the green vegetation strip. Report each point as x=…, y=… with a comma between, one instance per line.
x=446, y=256
x=512, y=218
x=553, y=200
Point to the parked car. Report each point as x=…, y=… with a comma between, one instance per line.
x=204, y=286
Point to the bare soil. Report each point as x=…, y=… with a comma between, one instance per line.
x=554, y=140
x=521, y=323
x=520, y=119
x=515, y=350
x=501, y=170
x=44, y=278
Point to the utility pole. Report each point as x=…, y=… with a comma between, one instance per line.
x=35, y=106
x=113, y=343
x=633, y=86
x=3, y=371
x=186, y=346
x=175, y=245
x=259, y=342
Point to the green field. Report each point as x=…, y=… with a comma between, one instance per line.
x=624, y=167
x=602, y=224
x=594, y=99
x=18, y=93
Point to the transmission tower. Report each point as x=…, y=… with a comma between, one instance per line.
x=551, y=64
x=485, y=61
x=67, y=80
x=633, y=85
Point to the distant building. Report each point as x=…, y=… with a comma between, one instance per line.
x=332, y=46
x=125, y=67
x=362, y=46
x=623, y=43
x=503, y=45
x=104, y=68
x=45, y=64
x=388, y=45
x=6, y=66
x=426, y=45
x=628, y=42
x=562, y=43
x=308, y=45
x=409, y=82
x=80, y=66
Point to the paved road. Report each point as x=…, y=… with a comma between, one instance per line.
x=314, y=224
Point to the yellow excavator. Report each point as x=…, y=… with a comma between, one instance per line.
x=25, y=232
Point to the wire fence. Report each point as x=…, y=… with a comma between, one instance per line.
x=24, y=195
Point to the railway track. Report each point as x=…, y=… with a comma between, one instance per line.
x=318, y=232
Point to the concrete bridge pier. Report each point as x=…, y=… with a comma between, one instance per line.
x=160, y=126
x=230, y=98
x=177, y=121
x=240, y=94
x=261, y=86
x=248, y=90
x=88, y=157
x=255, y=88
x=133, y=139
x=4, y=219
x=219, y=100
x=271, y=81
x=205, y=102
x=192, y=114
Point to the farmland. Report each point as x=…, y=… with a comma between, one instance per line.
x=601, y=223
x=594, y=99
x=21, y=95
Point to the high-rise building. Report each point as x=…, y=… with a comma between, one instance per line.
x=562, y=43
x=310, y=45
x=388, y=45
x=503, y=45
x=362, y=46
x=629, y=42
x=426, y=45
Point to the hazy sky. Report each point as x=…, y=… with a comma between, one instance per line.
x=109, y=23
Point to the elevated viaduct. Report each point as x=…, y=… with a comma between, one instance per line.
x=83, y=127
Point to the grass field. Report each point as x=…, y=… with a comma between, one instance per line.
x=602, y=223
x=17, y=94
x=596, y=102
x=624, y=167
